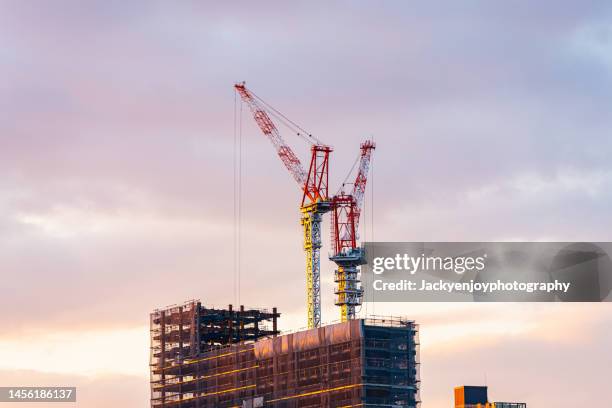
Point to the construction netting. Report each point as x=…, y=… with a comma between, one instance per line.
x=344, y=365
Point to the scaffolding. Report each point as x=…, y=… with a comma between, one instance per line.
x=180, y=334
x=360, y=363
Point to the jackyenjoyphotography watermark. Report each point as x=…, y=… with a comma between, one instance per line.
x=487, y=271
x=472, y=287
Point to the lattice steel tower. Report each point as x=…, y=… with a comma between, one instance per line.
x=315, y=200
x=345, y=225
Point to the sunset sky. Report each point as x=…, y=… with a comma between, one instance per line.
x=492, y=122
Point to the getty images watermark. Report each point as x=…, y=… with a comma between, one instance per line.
x=487, y=271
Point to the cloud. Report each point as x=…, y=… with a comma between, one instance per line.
x=595, y=42
x=526, y=368
x=71, y=352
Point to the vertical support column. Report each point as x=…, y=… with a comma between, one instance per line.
x=215, y=395
x=274, y=321
x=241, y=323
x=236, y=376
x=341, y=293
x=359, y=373
x=196, y=348
x=162, y=355
x=348, y=291
x=179, y=357
x=230, y=336
x=275, y=365
x=324, y=368
x=311, y=221
x=292, y=365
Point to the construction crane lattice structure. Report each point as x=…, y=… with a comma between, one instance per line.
x=315, y=200
x=347, y=255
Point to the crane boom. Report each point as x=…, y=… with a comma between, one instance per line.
x=362, y=178
x=291, y=161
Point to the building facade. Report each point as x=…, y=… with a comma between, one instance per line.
x=359, y=363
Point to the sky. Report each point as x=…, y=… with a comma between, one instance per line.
x=492, y=122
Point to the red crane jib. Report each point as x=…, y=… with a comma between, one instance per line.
x=313, y=183
x=264, y=122
x=347, y=207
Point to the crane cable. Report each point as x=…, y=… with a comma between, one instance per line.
x=234, y=246
x=372, y=218
x=349, y=174
x=364, y=228
x=289, y=126
x=240, y=203
x=307, y=136
x=237, y=162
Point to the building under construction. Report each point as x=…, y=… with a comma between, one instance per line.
x=223, y=358
x=231, y=358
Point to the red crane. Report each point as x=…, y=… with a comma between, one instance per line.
x=346, y=209
x=315, y=200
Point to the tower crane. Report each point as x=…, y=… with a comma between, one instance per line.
x=315, y=200
x=346, y=209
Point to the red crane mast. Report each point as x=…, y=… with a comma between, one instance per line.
x=346, y=211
